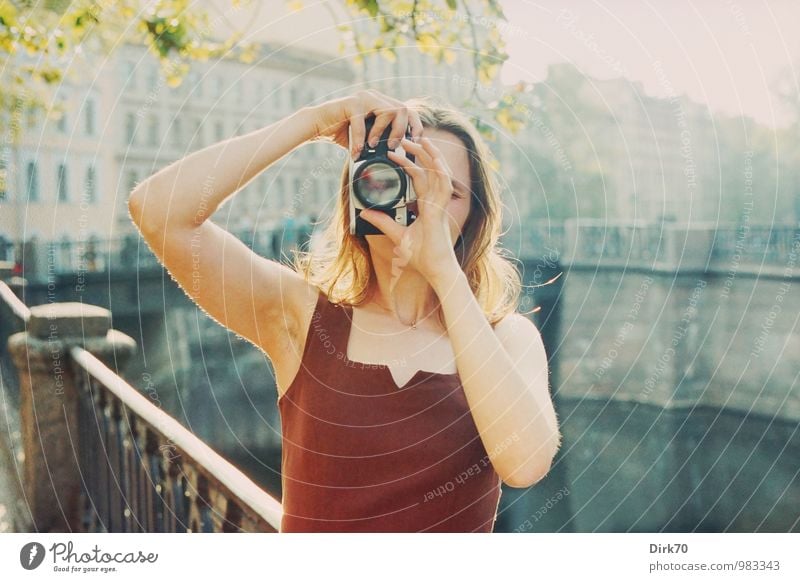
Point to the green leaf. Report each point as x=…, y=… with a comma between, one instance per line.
x=371, y=6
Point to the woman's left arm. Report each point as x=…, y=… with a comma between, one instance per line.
x=503, y=370
x=505, y=377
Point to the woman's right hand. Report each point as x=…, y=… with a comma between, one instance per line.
x=333, y=118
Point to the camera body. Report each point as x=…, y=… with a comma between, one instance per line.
x=378, y=183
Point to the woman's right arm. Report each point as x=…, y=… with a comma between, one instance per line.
x=257, y=298
x=237, y=287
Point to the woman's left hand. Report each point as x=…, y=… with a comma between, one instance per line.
x=427, y=244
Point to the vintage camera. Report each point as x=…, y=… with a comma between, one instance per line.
x=378, y=183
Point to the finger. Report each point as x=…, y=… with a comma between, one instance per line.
x=436, y=154
x=357, y=131
x=410, y=167
x=430, y=148
x=419, y=152
x=399, y=127
x=416, y=126
x=383, y=117
x=385, y=223
x=419, y=176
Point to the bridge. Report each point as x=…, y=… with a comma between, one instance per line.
x=668, y=347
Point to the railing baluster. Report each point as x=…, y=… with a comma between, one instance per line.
x=176, y=518
x=135, y=467
x=135, y=474
x=160, y=492
x=118, y=464
x=85, y=441
x=112, y=454
x=93, y=431
x=207, y=508
x=155, y=489
x=185, y=500
x=233, y=517
x=103, y=499
x=127, y=475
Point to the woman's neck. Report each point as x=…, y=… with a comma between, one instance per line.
x=406, y=293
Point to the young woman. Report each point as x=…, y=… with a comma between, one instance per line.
x=408, y=387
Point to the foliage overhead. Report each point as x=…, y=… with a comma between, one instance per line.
x=41, y=39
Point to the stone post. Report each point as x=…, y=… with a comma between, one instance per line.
x=49, y=403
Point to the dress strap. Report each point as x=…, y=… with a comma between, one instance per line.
x=326, y=342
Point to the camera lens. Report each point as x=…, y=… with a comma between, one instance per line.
x=378, y=184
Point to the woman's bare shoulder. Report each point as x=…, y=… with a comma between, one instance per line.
x=511, y=324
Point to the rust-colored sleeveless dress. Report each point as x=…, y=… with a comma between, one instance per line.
x=362, y=455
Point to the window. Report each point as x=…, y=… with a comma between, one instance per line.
x=177, y=132
x=133, y=179
x=90, y=186
x=90, y=125
x=259, y=195
x=32, y=118
x=62, y=187
x=152, y=77
x=130, y=128
x=198, y=132
x=32, y=179
x=278, y=194
x=240, y=91
x=130, y=74
x=3, y=173
x=152, y=130
x=61, y=124
x=313, y=193
x=297, y=194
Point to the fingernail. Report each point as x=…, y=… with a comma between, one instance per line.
x=393, y=144
x=373, y=142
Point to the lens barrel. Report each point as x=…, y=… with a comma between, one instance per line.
x=379, y=184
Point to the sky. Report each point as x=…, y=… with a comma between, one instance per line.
x=729, y=54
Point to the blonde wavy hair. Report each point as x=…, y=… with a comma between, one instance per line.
x=341, y=263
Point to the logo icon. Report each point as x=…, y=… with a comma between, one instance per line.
x=31, y=555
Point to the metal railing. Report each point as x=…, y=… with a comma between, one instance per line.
x=123, y=463
x=145, y=472
x=39, y=259
x=756, y=244
x=717, y=246
x=13, y=318
x=584, y=240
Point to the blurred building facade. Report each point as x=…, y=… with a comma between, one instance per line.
x=70, y=178
x=604, y=149
x=589, y=149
